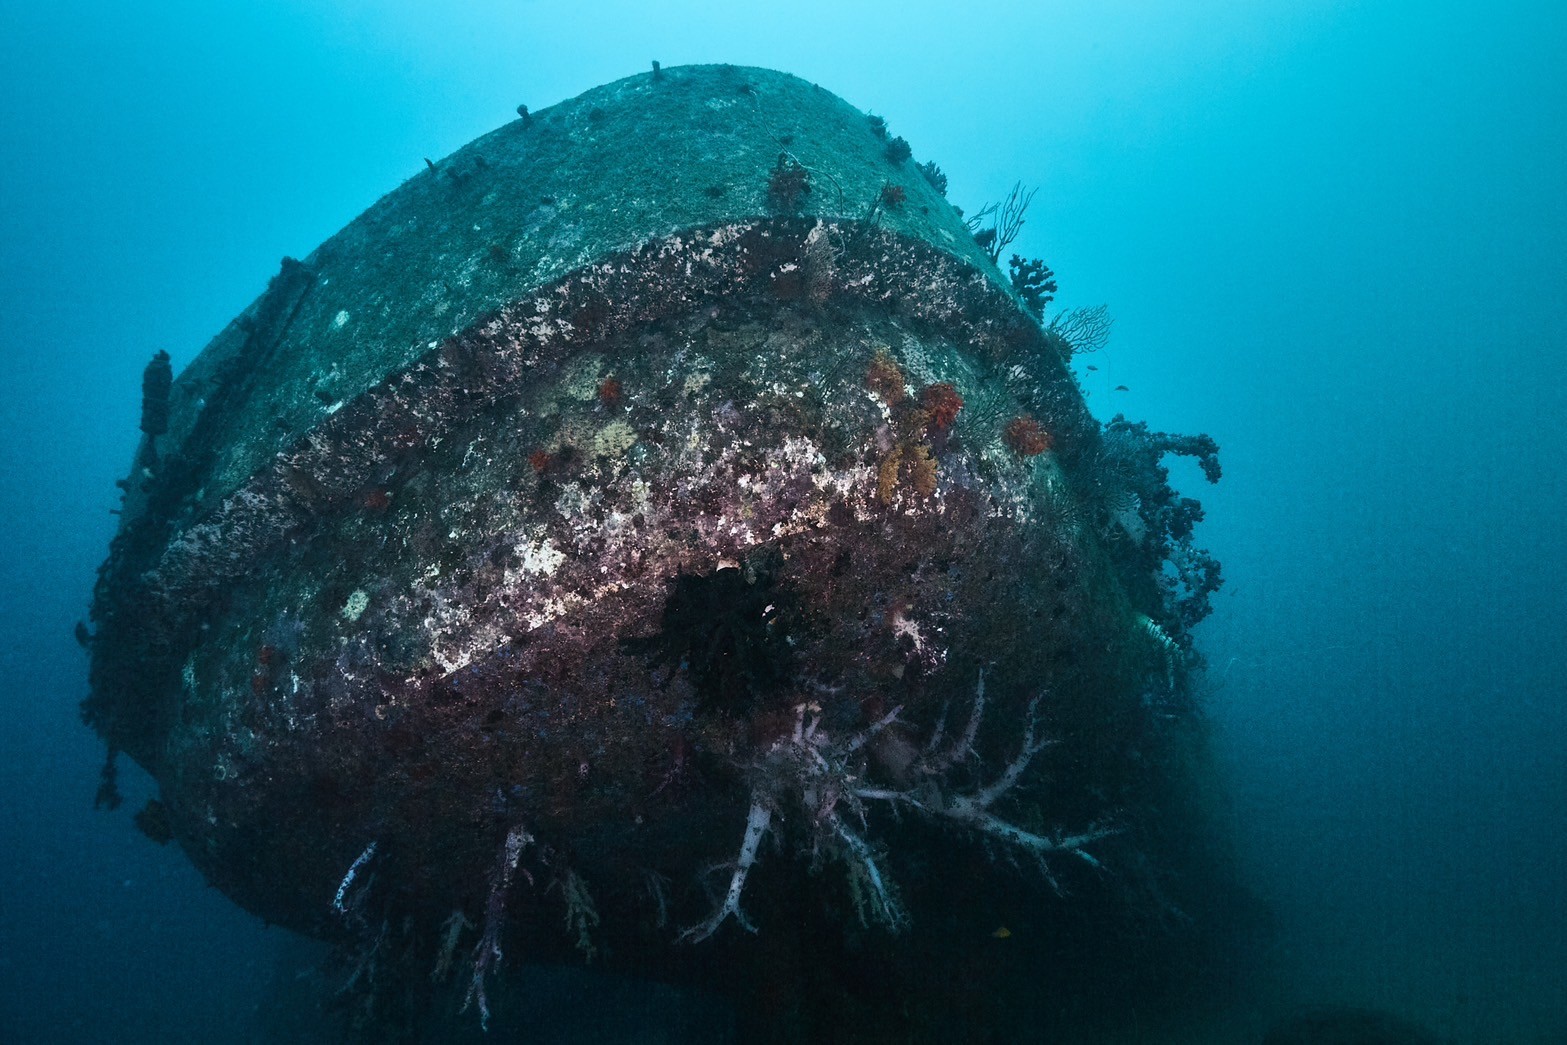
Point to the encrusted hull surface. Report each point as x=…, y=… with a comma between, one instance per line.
x=697, y=585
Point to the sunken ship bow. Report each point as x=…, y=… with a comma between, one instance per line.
x=659, y=534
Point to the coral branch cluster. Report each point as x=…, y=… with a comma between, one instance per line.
x=1083, y=330
x=815, y=787
x=756, y=823
x=1034, y=283
x=1005, y=221
x=910, y=463
x=1026, y=438
x=487, y=954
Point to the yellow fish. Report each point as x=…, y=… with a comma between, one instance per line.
x=1002, y=933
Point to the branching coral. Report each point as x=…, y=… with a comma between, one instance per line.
x=934, y=175
x=487, y=953
x=1005, y=221
x=887, y=475
x=1034, y=283
x=941, y=403
x=1026, y=438
x=818, y=784
x=885, y=378
x=582, y=916
x=1163, y=524
x=1083, y=329
x=909, y=464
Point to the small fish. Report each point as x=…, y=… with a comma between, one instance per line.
x=1092, y=367
x=1122, y=388
x=1002, y=933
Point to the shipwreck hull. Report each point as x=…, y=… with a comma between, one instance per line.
x=643, y=473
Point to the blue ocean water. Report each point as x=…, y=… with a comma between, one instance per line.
x=1330, y=234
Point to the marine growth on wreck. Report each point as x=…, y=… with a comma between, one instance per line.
x=658, y=535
